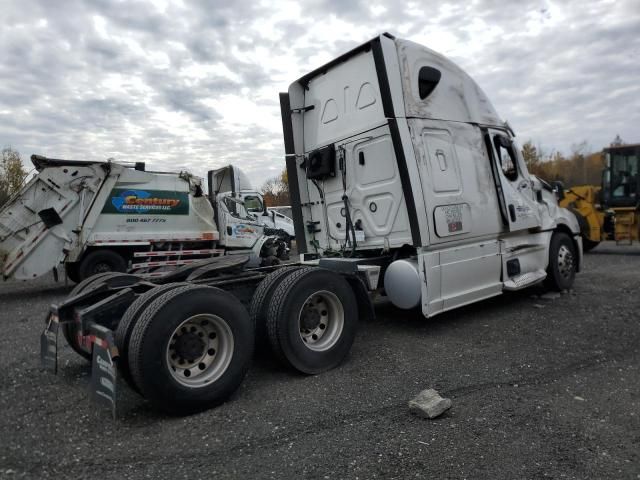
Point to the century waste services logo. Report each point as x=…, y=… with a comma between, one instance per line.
x=156, y=202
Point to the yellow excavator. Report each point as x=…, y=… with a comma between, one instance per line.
x=612, y=210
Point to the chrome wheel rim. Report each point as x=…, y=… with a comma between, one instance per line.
x=199, y=350
x=565, y=262
x=321, y=321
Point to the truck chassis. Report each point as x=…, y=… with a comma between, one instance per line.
x=185, y=341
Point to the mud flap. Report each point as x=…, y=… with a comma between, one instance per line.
x=103, y=368
x=49, y=342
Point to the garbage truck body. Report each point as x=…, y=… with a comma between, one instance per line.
x=95, y=217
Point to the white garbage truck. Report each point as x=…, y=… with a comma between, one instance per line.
x=96, y=217
x=404, y=182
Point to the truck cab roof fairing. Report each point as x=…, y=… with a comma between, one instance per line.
x=468, y=103
x=457, y=97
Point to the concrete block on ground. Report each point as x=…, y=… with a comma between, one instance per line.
x=429, y=404
x=550, y=296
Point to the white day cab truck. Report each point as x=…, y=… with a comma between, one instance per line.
x=97, y=217
x=404, y=182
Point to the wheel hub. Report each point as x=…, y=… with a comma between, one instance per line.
x=189, y=346
x=102, y=268
x=321, y=320
x=200, y=350
x=311, y=319
x=565, y=261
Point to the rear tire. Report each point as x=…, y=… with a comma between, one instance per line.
x=166, y=343
x=561, y=271
x=312, y=320
x=127, y=323
x=70, y=330
x=101, y=261
x=71, y=269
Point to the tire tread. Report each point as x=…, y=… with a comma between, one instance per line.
x=274, y=311
x=261, y=297
x=122, y=334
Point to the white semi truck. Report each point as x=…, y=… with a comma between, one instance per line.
x=96, y=217
x=404, y=182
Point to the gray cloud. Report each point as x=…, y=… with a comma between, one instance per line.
x=96, y=79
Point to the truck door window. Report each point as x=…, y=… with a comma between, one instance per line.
x=506, y=157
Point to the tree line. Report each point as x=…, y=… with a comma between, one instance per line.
x=580, y=167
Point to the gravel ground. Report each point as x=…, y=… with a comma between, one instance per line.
x=540, y=388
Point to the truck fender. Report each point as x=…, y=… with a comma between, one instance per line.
x=366, y=311
x=567, y=220
x=257, y=247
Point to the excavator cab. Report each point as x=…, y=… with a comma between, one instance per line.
x=621, y=190
x=620, y=180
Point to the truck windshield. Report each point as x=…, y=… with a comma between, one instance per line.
x=253, y=203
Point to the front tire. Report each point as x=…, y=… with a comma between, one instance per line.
x=561, y=271
x=312, y=320
x=191, y=348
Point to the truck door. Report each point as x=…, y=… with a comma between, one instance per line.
x=517, y=201
x=238, y=228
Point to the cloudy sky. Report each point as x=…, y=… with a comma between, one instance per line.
x=194, y=84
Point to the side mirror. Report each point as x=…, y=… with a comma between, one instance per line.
x=558, y=189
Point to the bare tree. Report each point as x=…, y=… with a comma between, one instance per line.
x=12, y=173
x=276, y=190
x=530, y=155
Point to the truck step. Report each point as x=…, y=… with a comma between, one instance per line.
x=524, y=280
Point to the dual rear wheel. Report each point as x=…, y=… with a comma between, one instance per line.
x=187, y=347
x=311, y=318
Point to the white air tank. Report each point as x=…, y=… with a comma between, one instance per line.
x=402, y=283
